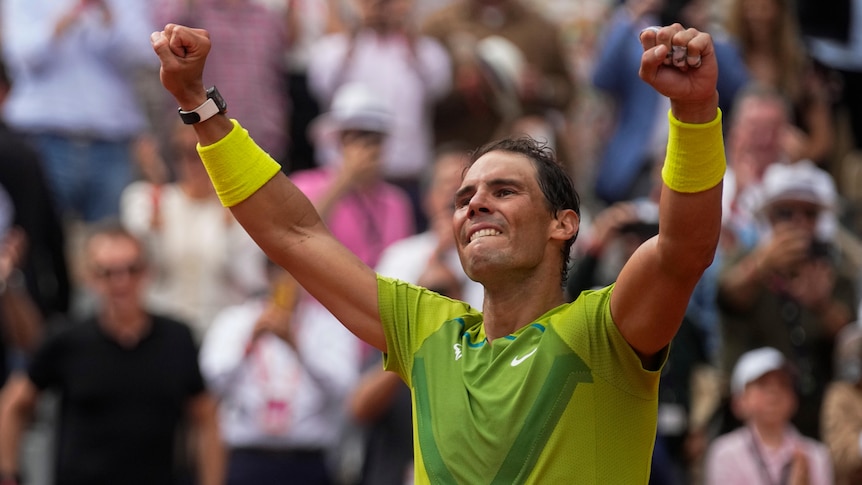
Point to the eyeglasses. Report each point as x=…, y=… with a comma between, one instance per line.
x=111, y=272
x=788, y=213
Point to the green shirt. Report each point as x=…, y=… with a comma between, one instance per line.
x=564, y=399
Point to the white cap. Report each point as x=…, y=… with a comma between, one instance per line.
x=355, y=107
x=799, y=181
x=754, y=364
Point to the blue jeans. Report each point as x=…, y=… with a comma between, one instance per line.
x=87, y=176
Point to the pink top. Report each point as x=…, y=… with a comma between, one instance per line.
x=741, y=458
x=365, y=222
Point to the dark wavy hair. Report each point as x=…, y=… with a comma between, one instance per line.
x=554, y=181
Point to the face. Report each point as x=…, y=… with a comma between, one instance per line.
x=761, y=13
x=757, y=134
x=115, y=269
x=796, y=213
x=769, y=400
x=502, y=221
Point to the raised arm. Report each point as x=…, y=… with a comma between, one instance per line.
x=654, y=287
x=274, y=212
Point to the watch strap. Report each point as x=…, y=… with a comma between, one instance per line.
x=205, y=111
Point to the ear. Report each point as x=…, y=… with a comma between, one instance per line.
x=565, y=226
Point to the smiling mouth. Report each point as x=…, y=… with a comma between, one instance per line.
x=483, y=233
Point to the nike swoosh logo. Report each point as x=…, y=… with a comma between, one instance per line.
x=517, y=360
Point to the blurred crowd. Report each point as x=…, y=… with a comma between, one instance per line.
x=145, y=338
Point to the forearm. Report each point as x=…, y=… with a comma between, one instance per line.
x=11, y=429
x=212, y=462
x=690, y=207
x=14, y=418
x=211, y=455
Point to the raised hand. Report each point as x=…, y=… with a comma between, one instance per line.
x=680, y=64
x=182, y=52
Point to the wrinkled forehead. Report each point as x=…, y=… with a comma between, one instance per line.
x=500, y=164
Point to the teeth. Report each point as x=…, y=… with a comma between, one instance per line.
x=483, y=233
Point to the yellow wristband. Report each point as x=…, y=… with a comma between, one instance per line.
x=695, y=158
x=237, y=166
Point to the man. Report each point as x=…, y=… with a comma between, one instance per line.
x=532, y=389
x=282, y=367
x=768, y=448
x=126, y=379
x=793, y=290
x=384, y=51
x=64, y=81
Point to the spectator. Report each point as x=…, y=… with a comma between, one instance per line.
x=760, y=134
x=281, y=366
x=191, y=281
x=768, y=36
x=768, y=449
x=69, y=61
x=126, y=379
x=509, y=70
x=841, y=419
x=23, y=177
x=791, y=291
x=362, y=210
x=409, y=70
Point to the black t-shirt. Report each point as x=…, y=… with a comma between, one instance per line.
x=119, y=407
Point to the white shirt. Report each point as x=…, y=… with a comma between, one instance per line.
x=408, y=82
x=270, y=396
x=741, y=458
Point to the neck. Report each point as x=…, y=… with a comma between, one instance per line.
x=506, y=310
x=771, y=435
x=125, y=325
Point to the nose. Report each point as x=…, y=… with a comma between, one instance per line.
x=478, y=204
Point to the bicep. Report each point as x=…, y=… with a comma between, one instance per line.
x=648, y=303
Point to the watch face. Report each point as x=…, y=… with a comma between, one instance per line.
x=216, y=96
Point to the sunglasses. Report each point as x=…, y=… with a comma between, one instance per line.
x=111, y=272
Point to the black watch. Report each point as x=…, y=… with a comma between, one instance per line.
x=214, y=105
